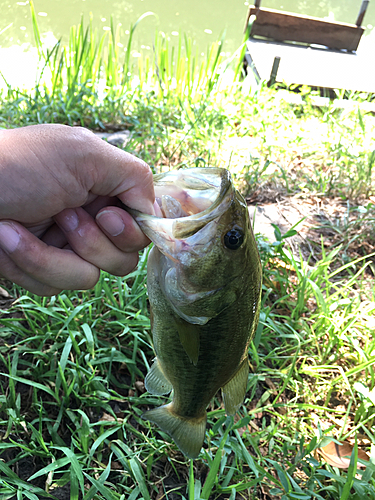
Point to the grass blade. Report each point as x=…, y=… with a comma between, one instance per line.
x=214, y=467
x=139, y=477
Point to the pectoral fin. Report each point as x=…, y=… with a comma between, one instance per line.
x=156, y=382
x=189, y=338
x=234, y=391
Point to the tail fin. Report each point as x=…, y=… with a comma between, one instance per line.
x=188, y=433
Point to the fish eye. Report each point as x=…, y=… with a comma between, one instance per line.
x=233, y=239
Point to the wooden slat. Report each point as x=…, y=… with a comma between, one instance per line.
x=315, y=67
x=361, y=14
x=285, y=26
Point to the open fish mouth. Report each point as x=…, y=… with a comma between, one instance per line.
x=190, y=200
x=200, y=206
x=194, y=190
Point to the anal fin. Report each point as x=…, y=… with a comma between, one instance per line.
x=234, y=391
x=156, y=382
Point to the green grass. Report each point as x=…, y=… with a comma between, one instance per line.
x=72, y=366
x=72, y=371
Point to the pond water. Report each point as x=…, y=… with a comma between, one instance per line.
x=203, y=20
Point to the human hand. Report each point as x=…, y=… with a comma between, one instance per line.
x=59, y=223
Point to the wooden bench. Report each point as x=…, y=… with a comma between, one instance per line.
x=294, y=49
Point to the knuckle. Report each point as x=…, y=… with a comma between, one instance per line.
x=82, y=134
x=146, y=172
x=35, y=260
x=83, y=240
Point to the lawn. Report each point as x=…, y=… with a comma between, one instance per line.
x=72, y=366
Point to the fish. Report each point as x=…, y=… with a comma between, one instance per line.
x=204, y=279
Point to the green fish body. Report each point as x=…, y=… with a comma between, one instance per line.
x=204, y=285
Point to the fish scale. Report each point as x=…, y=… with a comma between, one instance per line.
x=204, y=286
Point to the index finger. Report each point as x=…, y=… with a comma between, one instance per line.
x=118, y=173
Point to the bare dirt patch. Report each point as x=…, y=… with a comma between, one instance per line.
x=318, y=221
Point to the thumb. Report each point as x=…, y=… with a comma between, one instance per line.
x=118, y=173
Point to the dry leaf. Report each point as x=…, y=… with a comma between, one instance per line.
x=339, y=455
x=109, y=418
x=4, y=293
x=140, y=386
x=271, y=385
x=116, y=466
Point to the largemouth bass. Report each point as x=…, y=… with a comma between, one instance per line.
x=204, y=286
